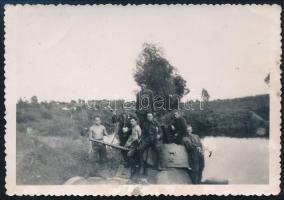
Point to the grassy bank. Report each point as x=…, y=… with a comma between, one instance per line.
x=52, y=143
x=53, y=159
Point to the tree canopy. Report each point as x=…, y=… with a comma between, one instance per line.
x=156, y=72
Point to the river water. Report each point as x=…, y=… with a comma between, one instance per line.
x=239, y=160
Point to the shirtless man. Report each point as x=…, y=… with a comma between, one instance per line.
x=97, y=131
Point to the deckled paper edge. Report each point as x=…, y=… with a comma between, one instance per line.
x=130, y=190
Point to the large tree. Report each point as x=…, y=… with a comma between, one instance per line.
x=154, y=70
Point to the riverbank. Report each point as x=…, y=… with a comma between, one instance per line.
x=49, y=160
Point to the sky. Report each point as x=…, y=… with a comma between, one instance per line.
x=71, y=52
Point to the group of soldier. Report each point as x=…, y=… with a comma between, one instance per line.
x=141, y=133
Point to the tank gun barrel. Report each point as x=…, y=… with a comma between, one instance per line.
x=111, y=145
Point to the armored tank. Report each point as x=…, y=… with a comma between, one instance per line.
x=176, y=170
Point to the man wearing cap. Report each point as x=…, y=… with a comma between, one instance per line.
x=144, y=103
x=151, y=137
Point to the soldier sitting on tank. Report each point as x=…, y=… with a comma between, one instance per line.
x=178, y=128
x=132, y=144
x=151, y=137
x=194, y=148
x=124, y=130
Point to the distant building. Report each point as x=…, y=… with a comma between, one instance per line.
x=69, y=109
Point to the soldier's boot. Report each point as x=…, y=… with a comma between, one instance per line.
x=142, y=169
x=194, y=177
x=160, y=168
x=125, y=160
x=159, y=163
x=132, y=172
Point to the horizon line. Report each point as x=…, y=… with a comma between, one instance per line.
x=129, y=100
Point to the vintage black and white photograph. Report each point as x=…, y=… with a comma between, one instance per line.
x=148, y=97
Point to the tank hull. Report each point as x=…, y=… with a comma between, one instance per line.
x=165, y=177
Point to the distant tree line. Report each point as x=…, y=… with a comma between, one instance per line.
x=240, y=117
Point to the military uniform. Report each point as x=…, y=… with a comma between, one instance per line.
x=180, y=129
x=123, y=121
x=150, y=133
x=194, y=148
x=98, y=150
x=133, y=143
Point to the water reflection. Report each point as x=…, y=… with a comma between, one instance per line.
x=240, y=160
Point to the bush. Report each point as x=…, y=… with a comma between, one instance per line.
x=221, y=117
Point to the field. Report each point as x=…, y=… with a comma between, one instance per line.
x=52, y=144
x=53, y=160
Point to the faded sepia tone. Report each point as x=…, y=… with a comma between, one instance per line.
x=138, y=100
